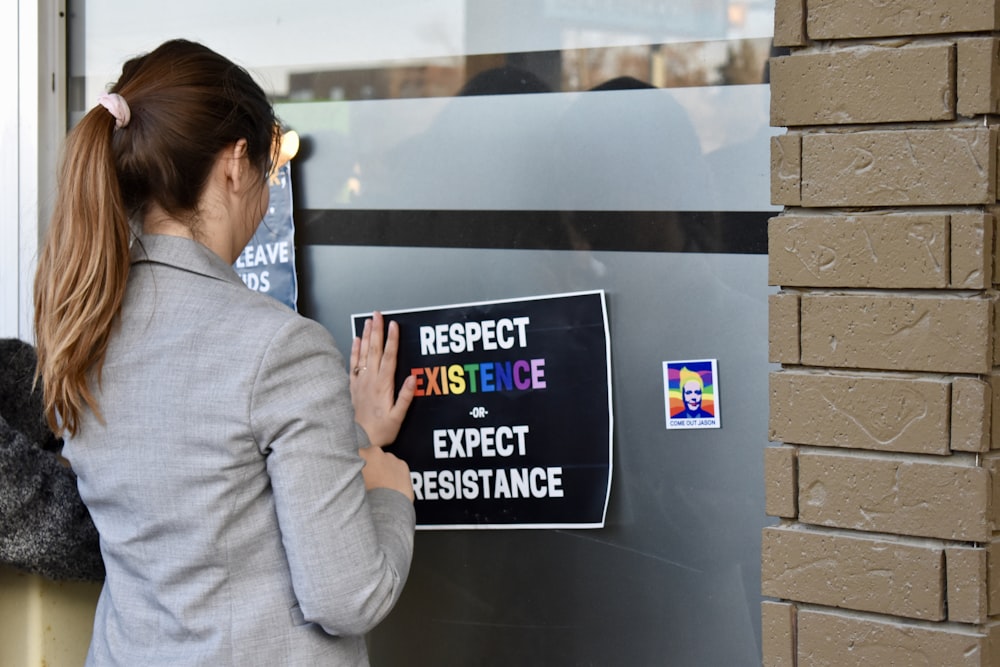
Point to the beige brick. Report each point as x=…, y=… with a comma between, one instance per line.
x=995, y=331
x=965, y=569
x=789, y=23
x=993, y=639
x=897, y=332
x=881, y=251
x=860, y=412
x=786, y=169
x=777, y=625
x=842, y=19
x=895, y=495
x=783, y=328
x=779, y=481
x=978, y=76
x=899, y=167
x=971, y=236
x=842, y=639
x=853, y=572
x=996, y=235
x=991, y=463
x=971, y=405
x=786, y=166
x=993, y=576
x=994, y=381
x=864, y=84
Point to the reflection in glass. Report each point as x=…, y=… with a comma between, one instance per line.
x=673, y=65
x=407, y=49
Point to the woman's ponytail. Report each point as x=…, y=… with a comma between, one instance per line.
x=150, y=143
x=82, y=272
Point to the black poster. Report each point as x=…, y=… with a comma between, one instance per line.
x=511, y=424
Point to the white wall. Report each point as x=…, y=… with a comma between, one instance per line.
x=32, y=123
x=10, y=283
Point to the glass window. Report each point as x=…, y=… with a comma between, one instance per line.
x=386, y=96
x=457, y=151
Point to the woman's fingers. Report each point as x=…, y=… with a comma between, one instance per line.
x=355, y=357
x=374, y=354
x=377, y=407
x=366, y=339
x=403, y=399
x=388, y=361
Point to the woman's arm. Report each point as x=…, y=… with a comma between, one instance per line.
x=349, y=549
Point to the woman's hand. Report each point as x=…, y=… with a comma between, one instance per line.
x=377, y=409
x=385, y=471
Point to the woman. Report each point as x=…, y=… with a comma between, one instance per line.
x=244, y=518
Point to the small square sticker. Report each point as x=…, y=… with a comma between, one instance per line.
x=691, y=393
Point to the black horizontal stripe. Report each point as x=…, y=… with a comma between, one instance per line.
x=739, y=232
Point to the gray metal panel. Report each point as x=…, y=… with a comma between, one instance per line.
x=673, y=579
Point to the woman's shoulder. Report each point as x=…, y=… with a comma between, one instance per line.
x=283, y=328
x=277, y=322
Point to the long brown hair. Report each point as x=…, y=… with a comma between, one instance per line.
x=187, y=104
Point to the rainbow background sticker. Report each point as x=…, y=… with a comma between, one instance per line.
x=700, y=378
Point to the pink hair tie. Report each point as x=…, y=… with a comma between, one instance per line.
x=118, y=107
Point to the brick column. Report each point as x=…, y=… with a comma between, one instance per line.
x=887, y=484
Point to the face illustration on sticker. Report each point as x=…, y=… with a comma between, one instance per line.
x=692, y=395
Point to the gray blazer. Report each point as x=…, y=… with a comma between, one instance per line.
x=225, y=481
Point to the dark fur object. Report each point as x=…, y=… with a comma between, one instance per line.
x=44, y=526
x=19, y=404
